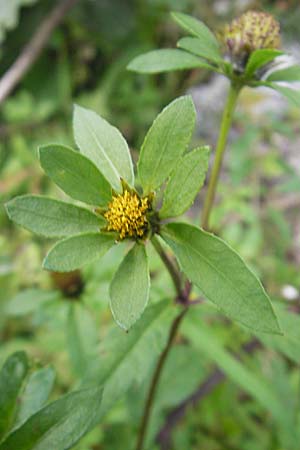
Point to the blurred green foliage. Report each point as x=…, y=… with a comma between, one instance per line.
x=61, y=320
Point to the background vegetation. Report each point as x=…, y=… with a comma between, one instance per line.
x=245, y=403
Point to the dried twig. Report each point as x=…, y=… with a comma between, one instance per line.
x=33, y=48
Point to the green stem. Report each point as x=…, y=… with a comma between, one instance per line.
x=155, y=380
x=220, y=148
x=175, y=274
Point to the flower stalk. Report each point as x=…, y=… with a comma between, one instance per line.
x=175, y=274
x=220, y=148
x=155, y=380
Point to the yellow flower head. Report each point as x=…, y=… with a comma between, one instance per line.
x=126, y=215
x=252, y=31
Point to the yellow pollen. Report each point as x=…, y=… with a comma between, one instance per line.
x=126, y=215
x=252, y=31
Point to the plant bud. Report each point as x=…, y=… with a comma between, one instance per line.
x=252, y=31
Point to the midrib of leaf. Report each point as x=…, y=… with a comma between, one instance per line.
x=59, y=219
x=135, y=343
x=78, y=177
x=185, y=179
x=131, y=284
x=234, y=288
x=91, y=128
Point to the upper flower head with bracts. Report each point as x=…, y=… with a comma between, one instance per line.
x=101, y=174
x=246, y=51
x=252, y=31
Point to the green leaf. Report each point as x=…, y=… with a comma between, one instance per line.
x=165, y=142
x=129, y=289
x=36, y=393
x=12, y=377
x=166, y=60
x=60, y=424
x=104, y=145
x=200, y=48
x=291, y=73
x=127, y=358
x=222, y=276
x=29, y=300
x=292, y=95
x=82, y=337
x=75, y=174
x=51, y=218
x=198, y=29
x=185, y=182
x=73, y=252
x=260, y=58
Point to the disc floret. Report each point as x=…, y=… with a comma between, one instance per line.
x=127, y=215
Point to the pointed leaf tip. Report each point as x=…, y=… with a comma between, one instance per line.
x=103, y=144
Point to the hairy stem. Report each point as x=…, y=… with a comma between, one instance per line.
x=220, y=148
x=155, y=380
x=172, y=269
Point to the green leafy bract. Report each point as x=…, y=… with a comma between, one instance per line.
x=73, y=252
x=129, y=289
x=75, y=174
x=222, y=276
x=260, y=58
x=104, y=145
x=51, y=218
x=185, y=182
x=165, y=142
